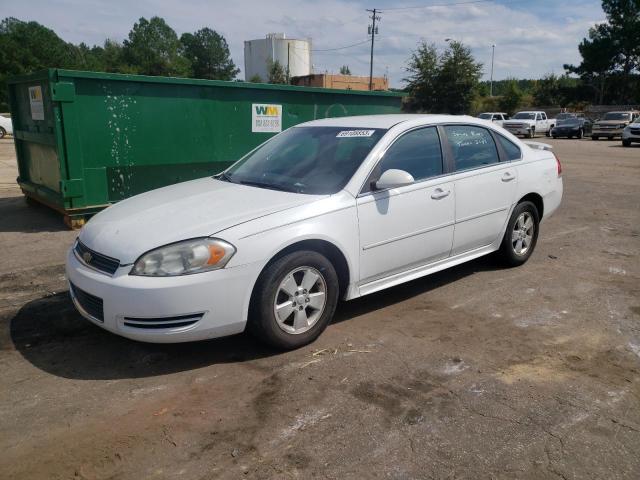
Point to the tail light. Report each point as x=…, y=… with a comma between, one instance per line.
x=559, y=165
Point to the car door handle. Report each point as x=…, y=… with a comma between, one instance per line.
x=438, y=193
x=508, y=176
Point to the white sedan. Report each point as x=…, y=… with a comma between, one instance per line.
x=327, y=210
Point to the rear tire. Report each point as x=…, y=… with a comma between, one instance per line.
x=521, y=235
x=294, y=300
x=3, y=132
x=594, y=137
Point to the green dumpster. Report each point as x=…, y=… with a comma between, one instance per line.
x=85, y=140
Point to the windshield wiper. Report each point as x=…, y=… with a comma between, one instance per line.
x=224, y=177
x=269, y=186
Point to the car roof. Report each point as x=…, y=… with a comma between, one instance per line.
x=384, y=121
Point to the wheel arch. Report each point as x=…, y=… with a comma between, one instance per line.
x=536, y=199
x=330, y=250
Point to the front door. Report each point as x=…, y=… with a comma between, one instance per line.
x=404, y=227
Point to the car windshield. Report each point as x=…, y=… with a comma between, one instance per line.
x=485, y=116
x=311, y=160
x=569, y=121
x=616, y=116
x=564, y=116
x=524, y=116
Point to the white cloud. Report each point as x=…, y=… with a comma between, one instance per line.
x=530, y=40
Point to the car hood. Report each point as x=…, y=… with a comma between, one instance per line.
x=185, y=210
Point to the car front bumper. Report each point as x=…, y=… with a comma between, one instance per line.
x=517, y=130
x=163, y=309
x=565, y=132
x=607, y=132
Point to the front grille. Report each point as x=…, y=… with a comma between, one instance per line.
x=96, y=260
x=513, y=125
x=89, y=303
x=163, y=322
x=635, y=131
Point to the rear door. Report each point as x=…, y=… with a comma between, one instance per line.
x=484, y=185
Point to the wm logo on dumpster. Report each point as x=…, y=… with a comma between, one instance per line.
x=266, y=118
x=267, y=110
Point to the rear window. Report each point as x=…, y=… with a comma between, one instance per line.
x=472, y=146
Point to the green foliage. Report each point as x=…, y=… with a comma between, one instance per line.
x=28, y=46
x=344, y=70
x=256, y=79
x=526, y=86
x=276, y=73
x=512, y=97
x=209, y=55
x=423, y=72
x=612, y=48
x=445, y=83
x=457, y=79
x=153, y=48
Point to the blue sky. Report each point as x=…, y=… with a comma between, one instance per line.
x=531, y=38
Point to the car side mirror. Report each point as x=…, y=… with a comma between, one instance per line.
x=394, y=178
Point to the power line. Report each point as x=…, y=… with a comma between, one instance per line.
x=340, y=48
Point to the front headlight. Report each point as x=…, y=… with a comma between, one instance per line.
x=622, y=125
x=183, y=258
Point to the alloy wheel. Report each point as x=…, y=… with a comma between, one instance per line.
x=522, y=234
x=300, y=300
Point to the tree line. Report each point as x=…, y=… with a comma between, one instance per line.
x=151, y=48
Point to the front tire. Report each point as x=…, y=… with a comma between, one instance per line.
x=3, y=132
x=294, y=300
x=594, y=137
x=626, y=143
x=532, y=133
x=521, y=235
x=580, y=134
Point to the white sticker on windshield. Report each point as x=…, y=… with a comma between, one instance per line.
x=355, y=133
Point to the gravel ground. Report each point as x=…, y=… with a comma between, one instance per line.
x=475, y=372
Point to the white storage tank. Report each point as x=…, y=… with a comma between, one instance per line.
x=291, y=52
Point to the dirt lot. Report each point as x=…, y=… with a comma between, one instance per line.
x=476, y=372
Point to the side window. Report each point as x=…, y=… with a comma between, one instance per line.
x=538, y=117
x=510, y=148
x=544, y=116
x=417, y=152
x=472, y=147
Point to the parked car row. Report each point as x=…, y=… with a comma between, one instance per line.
x=623, y=124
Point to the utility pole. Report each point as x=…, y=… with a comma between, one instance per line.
x=493, y=52
x=373, y=30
